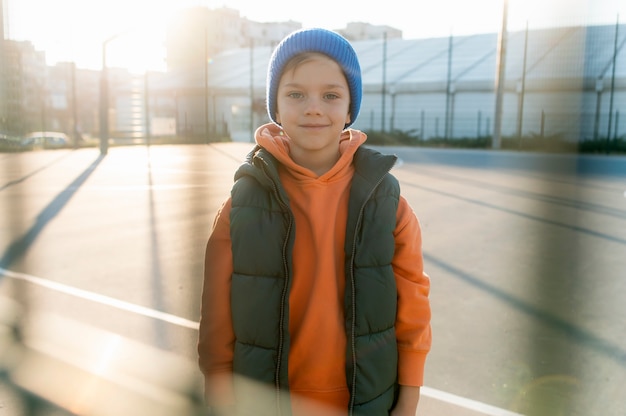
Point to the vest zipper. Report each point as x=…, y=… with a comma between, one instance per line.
x=352, y=285
x=281, y=335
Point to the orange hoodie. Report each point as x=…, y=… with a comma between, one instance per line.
x=317, y=325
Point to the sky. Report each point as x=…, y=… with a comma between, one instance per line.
x=75, y=30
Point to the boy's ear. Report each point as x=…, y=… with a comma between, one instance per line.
x=348, y=117
x=277, y=117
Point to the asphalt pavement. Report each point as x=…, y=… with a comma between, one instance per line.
x=525, y=253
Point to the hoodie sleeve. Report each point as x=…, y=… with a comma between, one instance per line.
x=216, y=336
x=413, y=330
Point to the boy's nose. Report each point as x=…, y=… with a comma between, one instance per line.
x=313, y=106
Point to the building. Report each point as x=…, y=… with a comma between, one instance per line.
x=24, y=100
x=180, y=102
x=37, y=97
x=195, y=38
x=566, y=82
x=356, y=31
x=558, y=82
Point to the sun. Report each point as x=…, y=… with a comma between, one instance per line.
x=137, y=26
x=131, y=33
x=139, y=49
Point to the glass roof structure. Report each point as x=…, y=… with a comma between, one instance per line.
x=569, y=53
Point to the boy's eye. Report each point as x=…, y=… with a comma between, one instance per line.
x=295, y=95
x=331, y=96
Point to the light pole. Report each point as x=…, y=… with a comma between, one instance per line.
x=104, y=98
x=206, y=86
x=500, y=75
x=383, y=90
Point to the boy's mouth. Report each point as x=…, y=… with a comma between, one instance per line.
x=312, y=126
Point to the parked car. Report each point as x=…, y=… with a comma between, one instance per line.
x=46, y=140
x=9, y=144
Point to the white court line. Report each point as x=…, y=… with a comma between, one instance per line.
x=459, y=401
x=105, y=300
x=127, y=188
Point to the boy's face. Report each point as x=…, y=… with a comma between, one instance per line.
x=313, y=104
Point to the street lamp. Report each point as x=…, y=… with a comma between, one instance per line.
x=500, y=74
x=104, y=98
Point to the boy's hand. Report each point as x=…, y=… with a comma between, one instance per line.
x=407, y=401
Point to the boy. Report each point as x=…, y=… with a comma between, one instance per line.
x=315, y=301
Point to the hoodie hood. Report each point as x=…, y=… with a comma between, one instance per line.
x=272, y=138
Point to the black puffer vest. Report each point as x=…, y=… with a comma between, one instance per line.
x=262, y=232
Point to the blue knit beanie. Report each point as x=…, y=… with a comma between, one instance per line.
x=315, y=40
